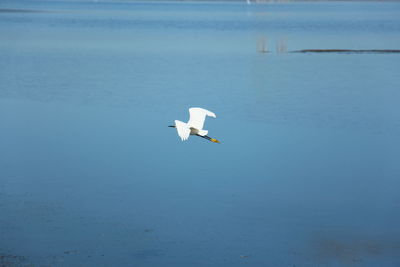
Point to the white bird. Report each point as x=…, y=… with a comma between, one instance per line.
x=195, y=125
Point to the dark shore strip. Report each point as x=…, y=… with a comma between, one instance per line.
x=348, y=51
x=11, y=10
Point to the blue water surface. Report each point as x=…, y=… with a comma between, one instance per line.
x=307, y=171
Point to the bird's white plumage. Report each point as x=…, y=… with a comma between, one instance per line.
x=195, y=123
x=198, y=116
x=183, y=130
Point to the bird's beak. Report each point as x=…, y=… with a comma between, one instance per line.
x=173, y=126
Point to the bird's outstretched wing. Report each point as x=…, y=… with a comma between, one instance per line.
x=198, y=116
x=183, y=130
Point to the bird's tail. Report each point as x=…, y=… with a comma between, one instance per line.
x=202, y=132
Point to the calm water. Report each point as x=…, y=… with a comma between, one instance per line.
x=307, y=173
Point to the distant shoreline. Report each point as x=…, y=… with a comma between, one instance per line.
x=216, y=1
x=349, y=51
x=16, y=10
x=244, y=1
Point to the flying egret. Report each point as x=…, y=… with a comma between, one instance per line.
x=195, y=125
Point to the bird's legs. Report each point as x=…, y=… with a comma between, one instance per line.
x=209, y=138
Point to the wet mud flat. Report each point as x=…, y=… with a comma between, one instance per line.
x=9, y=260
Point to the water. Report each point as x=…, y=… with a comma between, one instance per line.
x=307, y=173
